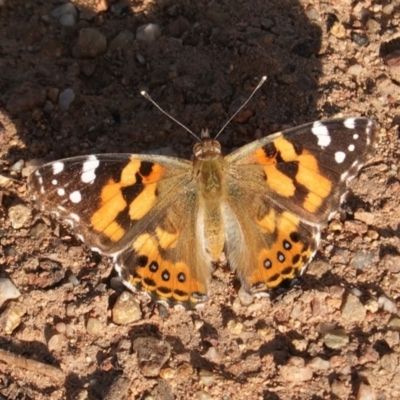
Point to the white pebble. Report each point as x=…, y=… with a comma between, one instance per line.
x=17, y=167
x=8, y=290
x=67, y=20
x=387, y=304
x=148, y=33
x=67, y=8
x=65, y=99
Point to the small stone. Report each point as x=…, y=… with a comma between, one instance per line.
x=126, y=309
x=362, y=259
x=394, y=323
x=201, y=395
x=353, y=310
x=338, y=30
x=296, y=371
x=11, y=318
x=56, y=342
x=335, y=226
x=318, y=363
x=300, y=344
x=361, y=39
x=91, y=43
x=152, y=354
x=19, y=216
x=61, y=327
x=235, y=327
x=365, y=392
x=66, y=98
x=8, y=290
x=148, y=33
x=391, y=262
x=335, y=339
x=245, y=297
x=365, y=217
x=207, y=377
x=387, y=304
x=17, y=167
x=167, y=373
x=371, y=306
x=66, y=8
x=68, y=20
x=211, y=354
x=123, y=40
x=70, y=309
x=94, y=327
x=389, y=362
x=357, y=227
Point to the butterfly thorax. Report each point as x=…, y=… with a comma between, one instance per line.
x=208, y=171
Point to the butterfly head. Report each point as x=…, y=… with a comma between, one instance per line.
x=208, y=148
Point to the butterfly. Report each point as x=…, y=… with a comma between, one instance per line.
x=166, y=221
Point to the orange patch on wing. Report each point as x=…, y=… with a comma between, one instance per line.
x=166, y=239
x=271, y=277
x=143, y=202
x=267, y=222
x=113, y=201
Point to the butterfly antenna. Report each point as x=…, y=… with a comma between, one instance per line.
x=147, y=96
x=262, y=80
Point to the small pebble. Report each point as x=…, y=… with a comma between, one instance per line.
x=8, y=290
x=245, y=297
x=389, y=362
x=121, y=41
x=17, y=167
x=19, y=215
x=365, y=217
x=65, y=99
x=94, y=327
x=371, y=306
x=68, y=20
x=148, y=33
x=318, y=363
x=387, y=304
x=11, y=317
x=66, y=8
x=295, y=370
x=61, y=327
x=335, y=339
x=91, y=43
x=394, y=323
x=338, y=30
x=365, y=392
x=126, y=309
x=152, y=354
x=353, y=310
x=208, y=377
x=235, y=327
x=211, y=354
x=56, y=342
x=200, y=395
x=362, y=259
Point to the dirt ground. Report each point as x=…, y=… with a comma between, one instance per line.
x=334, y=335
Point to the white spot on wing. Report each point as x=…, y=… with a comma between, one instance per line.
x=322, y=133
x=340, y=156
x=61, y=192
x=351, y=147
x=76, y=196
x=58, y=167
x=75, y=217
x=355, y=136
x=54, y=182
x=88, y=169
x=350, y=123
